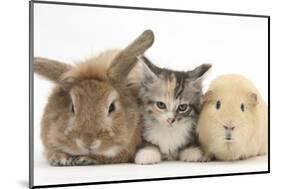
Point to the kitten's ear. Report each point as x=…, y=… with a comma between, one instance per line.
x=141, y=76
x=148, y=75
x=194, y=84
x=198, y=72
x=196, y=76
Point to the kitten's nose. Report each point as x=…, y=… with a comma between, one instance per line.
x=171, y=120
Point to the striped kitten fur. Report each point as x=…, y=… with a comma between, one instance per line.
x=170, y=102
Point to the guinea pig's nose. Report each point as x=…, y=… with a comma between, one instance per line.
x=228, y=138
x=229, y=127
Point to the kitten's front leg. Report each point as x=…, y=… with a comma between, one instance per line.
x=148, y=155
x=63, y=159
x=191, y=154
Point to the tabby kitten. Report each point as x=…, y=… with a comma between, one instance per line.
x=170, y=102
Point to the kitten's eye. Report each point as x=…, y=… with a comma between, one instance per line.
x=161, y=105
x=111, y=108
x=218, y=104
x=182, y=107
x=242, y=107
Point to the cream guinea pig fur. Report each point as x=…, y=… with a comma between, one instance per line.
x=233, y=122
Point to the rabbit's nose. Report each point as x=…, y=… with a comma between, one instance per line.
x=87, y=138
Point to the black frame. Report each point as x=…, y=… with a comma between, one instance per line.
x=31, y=121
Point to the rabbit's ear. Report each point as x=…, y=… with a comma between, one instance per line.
x=67, y=82
x=50, y=69
x=127, y=58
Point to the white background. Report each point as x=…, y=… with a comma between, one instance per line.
x=182, y=41
x=14, y=96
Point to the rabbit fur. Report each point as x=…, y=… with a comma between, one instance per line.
x=92, y=114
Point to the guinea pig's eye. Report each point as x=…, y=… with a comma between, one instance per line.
x=111, y=108
x=218, y=104
x=242, y=107
x=182, y=107
x=161, y=105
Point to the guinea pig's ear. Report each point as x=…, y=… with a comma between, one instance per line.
x=50, y=69
x=208, y=96
x=252, y=98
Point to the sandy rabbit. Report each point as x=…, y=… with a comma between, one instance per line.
x=92, y=115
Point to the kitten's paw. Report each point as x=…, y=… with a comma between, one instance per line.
x=148, y=155
x=191, y=154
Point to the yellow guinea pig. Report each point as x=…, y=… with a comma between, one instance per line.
x=233, y=123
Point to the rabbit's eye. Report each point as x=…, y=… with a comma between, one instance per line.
x=242, y=107
x=218, y=104
x=111, y=108
x=72, y=108
x=161, y=105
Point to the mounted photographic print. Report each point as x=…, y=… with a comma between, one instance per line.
x=127, y=94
